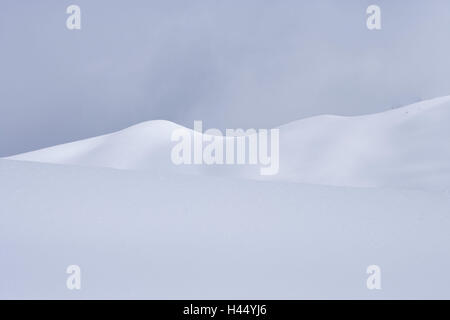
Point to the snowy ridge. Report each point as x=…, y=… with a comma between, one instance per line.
x=404, y=147
x=160, y=235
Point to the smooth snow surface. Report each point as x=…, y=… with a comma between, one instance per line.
x=351, y=192
x=406, y=147
x=137, y=235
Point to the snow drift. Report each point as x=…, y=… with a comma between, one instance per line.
x=161, y=231
x=405, y=147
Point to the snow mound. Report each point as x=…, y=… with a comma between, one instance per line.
x=145, y=146
x=405, y=147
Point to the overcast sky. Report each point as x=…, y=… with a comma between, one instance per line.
x=241, y=63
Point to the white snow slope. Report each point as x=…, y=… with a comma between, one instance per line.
x=406, y=147
x=153, y=233
x=138, y=235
